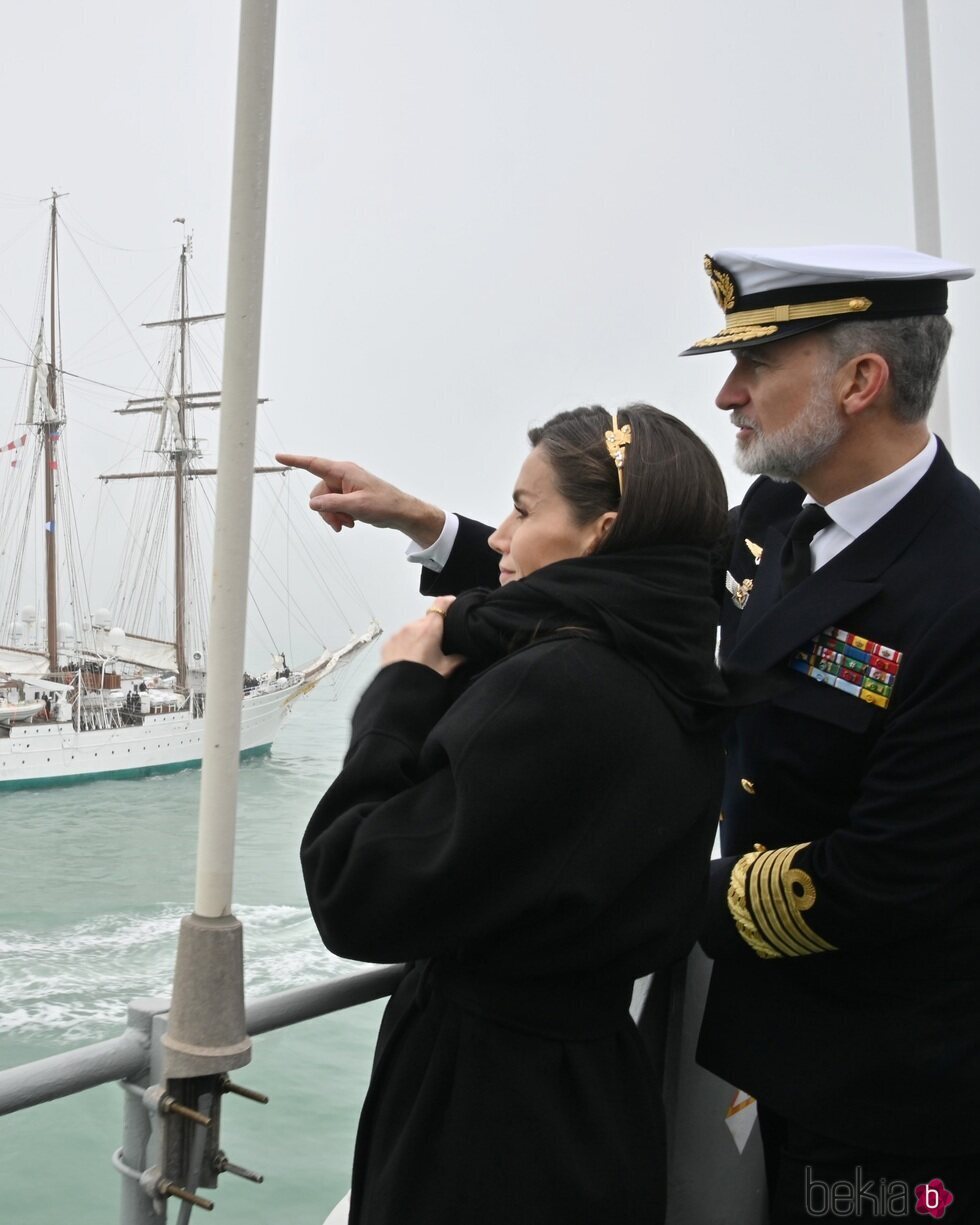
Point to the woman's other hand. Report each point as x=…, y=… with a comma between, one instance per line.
x=420, y=641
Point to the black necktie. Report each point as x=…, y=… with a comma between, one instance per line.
x=795, y=557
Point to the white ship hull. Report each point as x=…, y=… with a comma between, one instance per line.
x=45, y=754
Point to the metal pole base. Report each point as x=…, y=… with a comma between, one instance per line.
x=206, y=1032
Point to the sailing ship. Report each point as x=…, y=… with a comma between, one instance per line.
x=88, y=698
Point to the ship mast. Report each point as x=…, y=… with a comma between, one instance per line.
x=177, y=412
x=50, y=428
x=180, y=460
x=181, y=449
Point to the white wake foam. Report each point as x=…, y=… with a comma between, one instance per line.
x=73, y=983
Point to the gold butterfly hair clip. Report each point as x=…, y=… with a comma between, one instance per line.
x=617, y=440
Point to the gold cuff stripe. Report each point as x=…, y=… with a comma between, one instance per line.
x=783, y=898
x=804, y=900
x=764, y=900
x=789, y=903
x=798, y=894
x=801, y=310
x=766, y=896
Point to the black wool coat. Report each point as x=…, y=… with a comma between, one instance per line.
x=532, y=844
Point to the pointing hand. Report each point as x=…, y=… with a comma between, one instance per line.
x=347, y=494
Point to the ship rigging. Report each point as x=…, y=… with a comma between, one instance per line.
x=93, y=693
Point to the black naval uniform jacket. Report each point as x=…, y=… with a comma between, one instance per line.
x=845, y=992
x=531, y=844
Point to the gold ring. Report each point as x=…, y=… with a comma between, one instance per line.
x=440, y=611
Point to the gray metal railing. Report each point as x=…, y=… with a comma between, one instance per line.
x=708, y=1182
x=128, y=1056
x=151, y=1114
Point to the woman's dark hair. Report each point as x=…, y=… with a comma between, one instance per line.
x=673, y=490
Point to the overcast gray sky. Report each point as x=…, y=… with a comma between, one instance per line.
x=480, y=212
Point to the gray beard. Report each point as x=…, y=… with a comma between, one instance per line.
x=789, y=453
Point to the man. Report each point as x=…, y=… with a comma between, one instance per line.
x=845, y=910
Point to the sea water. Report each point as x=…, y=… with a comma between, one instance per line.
x=93, y=882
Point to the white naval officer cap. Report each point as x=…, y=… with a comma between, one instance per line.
x=768, y=293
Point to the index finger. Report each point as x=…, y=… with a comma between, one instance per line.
x=312, y=463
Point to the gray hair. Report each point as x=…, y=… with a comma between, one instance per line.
x=914, y=349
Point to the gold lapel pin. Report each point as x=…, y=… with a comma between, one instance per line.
x=739, y=592
x=754, y=549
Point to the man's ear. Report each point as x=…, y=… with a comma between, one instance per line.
x=863, y=380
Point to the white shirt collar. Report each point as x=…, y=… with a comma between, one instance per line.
x=857, y=511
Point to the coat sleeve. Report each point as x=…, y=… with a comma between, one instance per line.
x=434, y=837
x=472, y=563
x=906, y=857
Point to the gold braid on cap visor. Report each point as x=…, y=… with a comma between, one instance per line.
x=617, y=440
x=755, y=324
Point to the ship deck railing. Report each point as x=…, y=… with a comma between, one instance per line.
x=706, y=1175
x=135, y=1059
x=127, y=1057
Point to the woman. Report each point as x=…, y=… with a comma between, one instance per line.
x=532, y=831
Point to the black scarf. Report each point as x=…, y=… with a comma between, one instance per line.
x=654, y=606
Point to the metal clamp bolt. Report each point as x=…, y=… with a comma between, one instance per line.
x=156, y=1186
x=228, y=1086
x=165, y=1187
x=158, y=1099
x=223, y=1166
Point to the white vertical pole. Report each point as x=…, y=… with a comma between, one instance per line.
x=236, y=459
x=925, y=174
